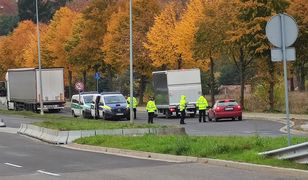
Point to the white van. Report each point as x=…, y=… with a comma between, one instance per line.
x=82, y=107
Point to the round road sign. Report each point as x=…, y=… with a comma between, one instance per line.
x=274, y=30
x=79, y=86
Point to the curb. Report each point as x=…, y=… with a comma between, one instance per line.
x=185, y=159
x=66, y=137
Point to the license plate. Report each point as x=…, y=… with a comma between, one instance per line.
x=229, y=109
x=120, y=114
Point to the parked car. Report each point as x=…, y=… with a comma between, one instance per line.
x=109, y=105
x=82, y=107
x=227, y=108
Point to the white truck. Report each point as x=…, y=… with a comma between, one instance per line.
x=23, y=89
x=170, y=85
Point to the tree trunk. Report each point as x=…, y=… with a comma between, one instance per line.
x=212, y=80
x=271, y=72
x=142, y=87
x=84, y=74
x=242, y=78
x=302, y=75
x=109, y=78
x=180, y=61
x=70, y=77
x=292, y=83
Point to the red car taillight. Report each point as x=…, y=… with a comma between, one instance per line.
x=217, y=109
x=238, y=107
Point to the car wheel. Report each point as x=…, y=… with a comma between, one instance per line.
x=73, y=113
x=84, y=115
x=215, y=119
x=104, y=116
x=240, y=118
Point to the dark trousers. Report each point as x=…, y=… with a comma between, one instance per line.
x=150, y=117
x=202, y=114
x=135, y=110
x=183, y=114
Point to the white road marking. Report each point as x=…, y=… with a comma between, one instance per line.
x=48, y=173
x=14, y=165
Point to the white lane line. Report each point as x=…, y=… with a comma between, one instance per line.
x=48, y=173
x=14, y=165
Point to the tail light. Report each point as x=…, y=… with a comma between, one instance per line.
x=172, y=109
x=238, y=107
x=218, y=109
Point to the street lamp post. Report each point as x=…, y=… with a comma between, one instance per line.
x=39, y=58
x=131, y=60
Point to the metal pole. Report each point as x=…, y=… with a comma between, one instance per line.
x=131, y=60
x=39, y=58
x=285, y=75
x=97, y=85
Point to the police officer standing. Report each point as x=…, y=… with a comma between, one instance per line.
x=183, y=108
x=151, y=108
x=202, y=105
x=135, y=104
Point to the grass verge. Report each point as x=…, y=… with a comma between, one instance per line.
x=58, y=122
x=236, y=148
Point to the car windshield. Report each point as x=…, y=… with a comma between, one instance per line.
x=114, y=99
x=88, y=98
x=225, y=103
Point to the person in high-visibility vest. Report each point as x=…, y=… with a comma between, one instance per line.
x=151, y=108
x=135, y=104
x=202, y=105
x=183, y=108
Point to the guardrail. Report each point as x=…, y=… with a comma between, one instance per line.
x=297, y=153
x=66, y=137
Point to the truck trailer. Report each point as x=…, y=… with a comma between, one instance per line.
x=170, y=85
x=23, y=89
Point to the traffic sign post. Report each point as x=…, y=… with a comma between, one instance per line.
x=97, y=77
x=79, y=87
x=282, y=32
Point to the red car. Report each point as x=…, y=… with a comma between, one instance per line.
x=227, y=108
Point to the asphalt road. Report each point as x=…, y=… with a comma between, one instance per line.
x=22, y=158
x=192, y=126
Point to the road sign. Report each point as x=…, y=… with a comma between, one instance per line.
x=79, y=86
x=282, y=32
x=277, y=54
x=274, y=31
x=97, y=76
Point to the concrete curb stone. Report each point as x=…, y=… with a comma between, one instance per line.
x=179, y=159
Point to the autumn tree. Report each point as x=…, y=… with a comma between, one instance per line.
x=209, y=39
x=299, y=10
x=84, y=45
x=249, y=37
x=162, y=50
x=13, y=46
x=116, y=41
x=185, y=31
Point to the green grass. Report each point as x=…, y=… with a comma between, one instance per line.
x=236, y=148
x=58, y=122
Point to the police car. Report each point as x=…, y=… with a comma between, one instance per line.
x=82, y=107
x=109, y=105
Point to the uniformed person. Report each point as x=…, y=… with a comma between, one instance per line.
x=135, y=104
x=151, y=108
x=183, y=108
x=202, y=105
